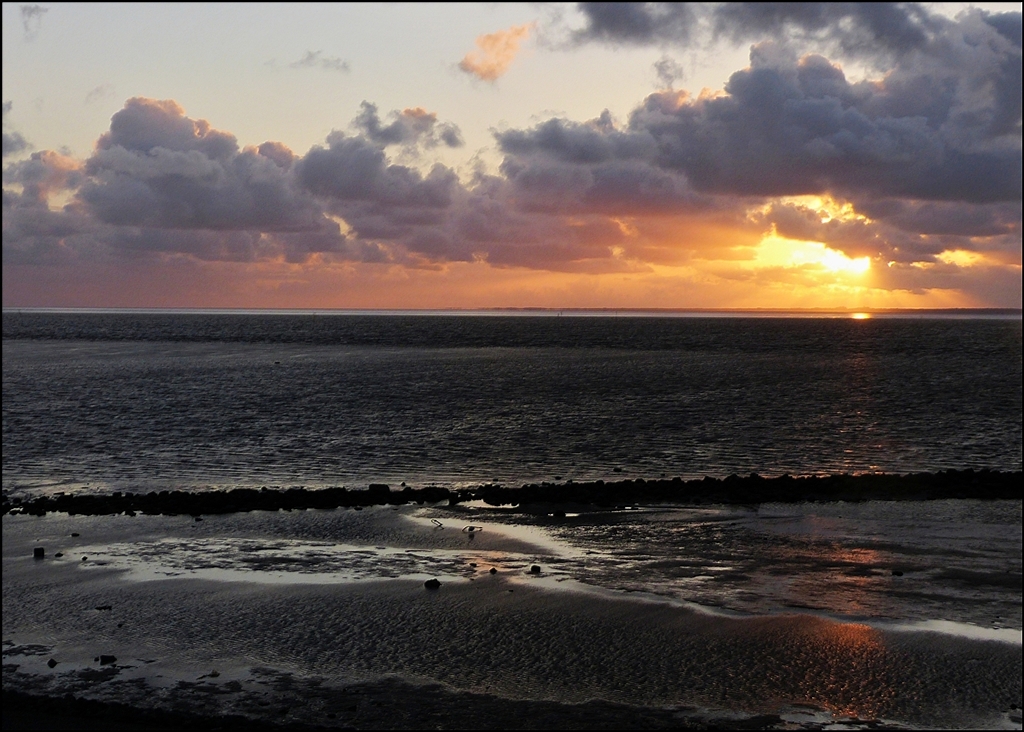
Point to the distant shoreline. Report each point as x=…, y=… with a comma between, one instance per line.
x=551, y=312
x=753, y=489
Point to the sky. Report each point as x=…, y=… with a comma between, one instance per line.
x=591, y=155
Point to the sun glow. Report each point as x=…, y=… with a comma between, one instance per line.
x=778, y=251
x=962, y=258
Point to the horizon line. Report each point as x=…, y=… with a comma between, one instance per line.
x=521, y=310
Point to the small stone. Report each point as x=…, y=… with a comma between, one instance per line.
x=432, y=584
x=104, y=607
x=39, y=552
x=51, y=663
x=84, y=558
x=493, y=570
x=59, y=555
x=897, y=573
x=199, y=518
x=535, y=569
x=472, y=564
x=75, y=533
x=107, y=660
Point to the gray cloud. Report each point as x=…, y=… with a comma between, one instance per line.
x=13, y=142
x=849, y=28
x=32, y=20
x=354, y=169
x=669, y=71
x=637, y=23
x=942, y=125
x=929, y=152
x=158, y=168
x=100, y=92
x=317, y=60
x=410, y=127
x=855, y=28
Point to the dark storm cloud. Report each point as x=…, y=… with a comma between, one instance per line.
x=13, y=142
x=317, y=60
x=409, y=127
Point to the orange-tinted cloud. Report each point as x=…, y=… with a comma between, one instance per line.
x=793, y=187
x=495, y=52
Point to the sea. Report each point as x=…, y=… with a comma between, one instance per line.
x=192, y=400
x=98, y=401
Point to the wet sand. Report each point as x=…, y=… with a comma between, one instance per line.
x=356, y=648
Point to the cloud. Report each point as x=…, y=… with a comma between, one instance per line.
x=916, y=168
x=854, y=28
x=158, y=168
x=789, y=127
x=160, y=182
x=495, y=53
x=100, y=92
x=669, y=71
x=849, y=28
x=13, y=142
x=31, y=20
x=941, y=125
x=636, y=23
x=316, y=59
x=410, y=127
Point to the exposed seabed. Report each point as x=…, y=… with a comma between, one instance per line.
x=158, y=621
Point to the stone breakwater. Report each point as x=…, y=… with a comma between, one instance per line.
x=752, y=489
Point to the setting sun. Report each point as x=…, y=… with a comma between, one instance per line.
x=778, y=251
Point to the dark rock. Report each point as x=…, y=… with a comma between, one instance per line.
x=107, y=660
x=75, y=533
x=104, y=607
x=493, y=570
x=84, y=558
x=432, y=584
x=51, y=663
x=472, y=564
x=199, y=518
x=897, y=573
x=59, y=554
x=535, y=569
x=39, y=552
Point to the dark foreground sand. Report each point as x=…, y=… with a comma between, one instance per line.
x=485, y=650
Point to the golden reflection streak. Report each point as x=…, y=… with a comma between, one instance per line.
x=840, y=667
